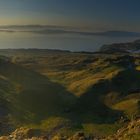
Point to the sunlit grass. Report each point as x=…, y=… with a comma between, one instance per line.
x=130, y=107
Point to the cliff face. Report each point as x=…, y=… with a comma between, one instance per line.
x=130, y=47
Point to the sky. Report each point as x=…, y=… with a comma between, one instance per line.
x=95, y=15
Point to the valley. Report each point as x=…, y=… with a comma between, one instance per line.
x=62, y=92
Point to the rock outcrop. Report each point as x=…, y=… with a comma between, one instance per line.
x=128, y=132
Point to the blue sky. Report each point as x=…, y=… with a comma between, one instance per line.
x=98, y=15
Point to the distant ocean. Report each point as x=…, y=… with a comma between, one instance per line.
x=70, y=42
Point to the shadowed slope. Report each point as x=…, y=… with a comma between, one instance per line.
x=35, y=96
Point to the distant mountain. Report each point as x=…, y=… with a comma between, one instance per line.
x=130, y=47
x=119, y=33
x=52, y=29
x=111, y=33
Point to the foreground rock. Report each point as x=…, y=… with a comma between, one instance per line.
x=35, y=134
x=128, y=132
x=24, y=134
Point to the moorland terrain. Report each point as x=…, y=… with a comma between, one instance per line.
x=55, y=94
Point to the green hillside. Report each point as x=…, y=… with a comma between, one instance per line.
x=30, y=97
x=68, y=92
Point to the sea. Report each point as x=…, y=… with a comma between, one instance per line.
x=71, y=42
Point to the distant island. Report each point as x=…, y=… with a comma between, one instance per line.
x=53, y=29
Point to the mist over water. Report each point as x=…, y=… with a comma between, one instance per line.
x=59, y=41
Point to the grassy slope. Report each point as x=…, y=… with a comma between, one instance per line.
x=31, y=97
x=90, y=78
x=95, y=82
